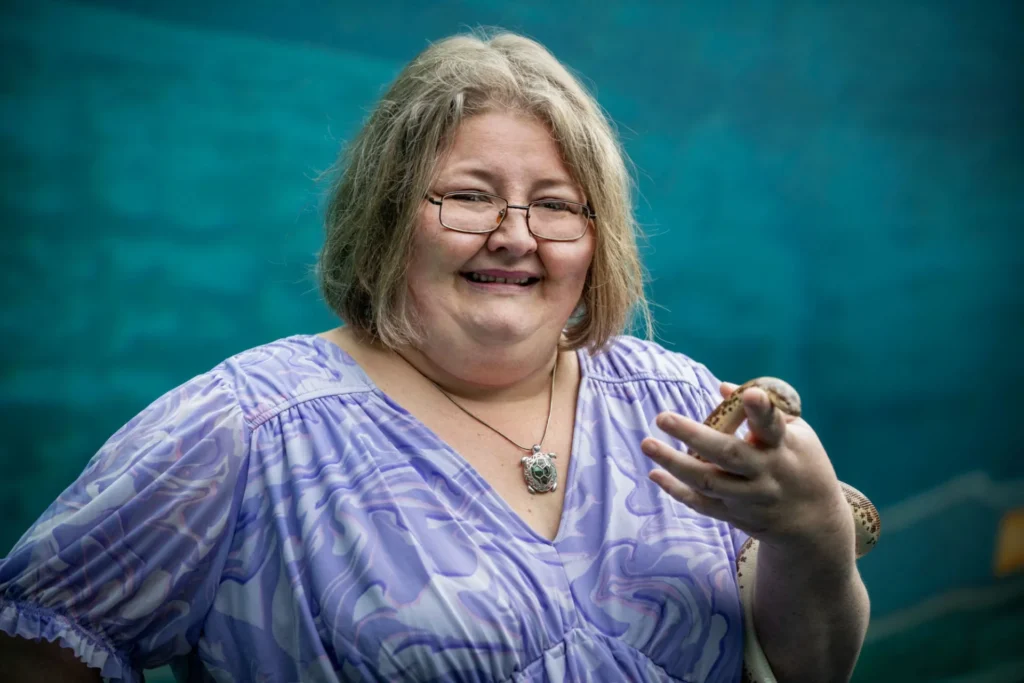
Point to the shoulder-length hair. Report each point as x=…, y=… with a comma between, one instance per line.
x=384, y=173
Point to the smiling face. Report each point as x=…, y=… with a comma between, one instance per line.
x=452, y=275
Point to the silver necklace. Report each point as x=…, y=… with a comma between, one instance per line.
x=538, y=467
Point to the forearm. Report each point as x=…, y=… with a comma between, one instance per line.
x=811, y=613
x=29, y=661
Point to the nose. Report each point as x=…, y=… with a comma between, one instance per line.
x=513, y=235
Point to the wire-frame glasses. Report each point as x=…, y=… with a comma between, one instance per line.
x=480, y=212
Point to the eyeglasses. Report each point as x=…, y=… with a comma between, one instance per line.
x=479, y=212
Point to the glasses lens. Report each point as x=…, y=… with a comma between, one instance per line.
x=556, y=220
x=472, y=211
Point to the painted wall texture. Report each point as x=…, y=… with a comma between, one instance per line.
x=834, y=195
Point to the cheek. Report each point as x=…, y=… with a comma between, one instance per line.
x=571, y=262
x=437, y=254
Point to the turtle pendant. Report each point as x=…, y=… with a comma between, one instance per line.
x=539, y=471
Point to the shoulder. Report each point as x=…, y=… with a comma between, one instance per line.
x=271, y=377
x=627, y=358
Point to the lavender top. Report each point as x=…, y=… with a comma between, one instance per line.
x=279, y=518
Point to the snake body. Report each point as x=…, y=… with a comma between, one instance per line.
x=727, y=417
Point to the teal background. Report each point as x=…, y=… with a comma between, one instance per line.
x=833, y=194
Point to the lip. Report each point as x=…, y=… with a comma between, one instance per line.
x=506, y=274
x=499, y=288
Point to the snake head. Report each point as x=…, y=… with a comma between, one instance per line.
x=782, y=395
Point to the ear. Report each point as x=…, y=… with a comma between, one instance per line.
x=580, y=312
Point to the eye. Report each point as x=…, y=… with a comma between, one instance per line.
x=469, y=197
x=559, y=205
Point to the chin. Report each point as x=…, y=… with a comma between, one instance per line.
x=501, y=332
x=508, y=327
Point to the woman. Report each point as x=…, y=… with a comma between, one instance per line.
x=456, y=485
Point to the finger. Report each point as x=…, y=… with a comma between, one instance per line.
x=687, y=496
x=703, y=477
x=727, y=389
x=725, y=450
x=767, y=423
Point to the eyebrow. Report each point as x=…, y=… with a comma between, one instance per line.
x=493, y=180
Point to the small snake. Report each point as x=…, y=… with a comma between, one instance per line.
x=727, y=418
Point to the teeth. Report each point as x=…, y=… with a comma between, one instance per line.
x=477, y=277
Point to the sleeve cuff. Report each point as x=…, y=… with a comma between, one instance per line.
x=39, y=623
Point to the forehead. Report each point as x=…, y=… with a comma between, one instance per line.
x=505, y=144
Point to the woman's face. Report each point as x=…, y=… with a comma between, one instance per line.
x=515, y=157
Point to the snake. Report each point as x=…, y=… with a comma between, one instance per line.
x=727, y=418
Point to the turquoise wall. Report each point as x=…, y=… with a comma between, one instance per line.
x=834, y=195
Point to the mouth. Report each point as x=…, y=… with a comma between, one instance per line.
x=482, y=279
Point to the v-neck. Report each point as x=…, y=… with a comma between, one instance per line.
x=497, y=499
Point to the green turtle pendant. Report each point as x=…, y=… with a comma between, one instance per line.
x=539, y=471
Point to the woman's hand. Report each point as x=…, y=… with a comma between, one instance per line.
x=778, y=485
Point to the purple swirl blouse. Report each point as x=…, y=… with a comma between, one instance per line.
x=279, y=518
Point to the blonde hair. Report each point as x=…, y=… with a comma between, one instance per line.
x=384, y=173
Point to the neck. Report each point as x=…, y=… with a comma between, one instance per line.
x=500, y=375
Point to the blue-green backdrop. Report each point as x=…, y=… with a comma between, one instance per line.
x=833, y=193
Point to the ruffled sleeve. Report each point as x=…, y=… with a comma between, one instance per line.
x=123, y=567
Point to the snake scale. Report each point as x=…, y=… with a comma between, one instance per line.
x=726, y=418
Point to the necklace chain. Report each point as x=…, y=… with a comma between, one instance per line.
x=547, y=423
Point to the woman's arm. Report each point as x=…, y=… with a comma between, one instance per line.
x=811, y=612
x=778, y=486
x=39, y=661
x=143, y=530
